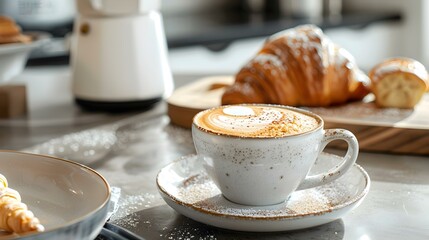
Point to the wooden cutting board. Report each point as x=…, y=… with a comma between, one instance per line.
x=404, y=131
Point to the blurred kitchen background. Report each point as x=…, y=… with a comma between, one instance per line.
x=219, y=36
x=204, y=37
x=211, y=37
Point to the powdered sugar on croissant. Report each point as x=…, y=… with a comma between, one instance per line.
x=14, y=215
x=299, y=67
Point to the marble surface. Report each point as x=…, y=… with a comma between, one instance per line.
x=397, y=206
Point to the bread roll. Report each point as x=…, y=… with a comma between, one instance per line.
x=398, y=82
x=299, y=67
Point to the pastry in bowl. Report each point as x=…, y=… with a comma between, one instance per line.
x=71, y=200
x=398, y=82
x=10, y=32
x=15, y=47
x=299, y=67
x=14, y=215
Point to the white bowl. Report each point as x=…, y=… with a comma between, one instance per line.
x=13, y=56
x=70, y=200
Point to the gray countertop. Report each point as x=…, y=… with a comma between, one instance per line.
x=397, y=206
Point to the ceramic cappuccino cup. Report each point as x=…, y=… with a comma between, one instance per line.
x=258, y=154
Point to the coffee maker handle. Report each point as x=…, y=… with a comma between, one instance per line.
x=347, y=161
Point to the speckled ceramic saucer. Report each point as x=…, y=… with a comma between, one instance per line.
x=185, y=186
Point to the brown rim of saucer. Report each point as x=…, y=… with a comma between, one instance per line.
x=272, y=218
x=294, y=109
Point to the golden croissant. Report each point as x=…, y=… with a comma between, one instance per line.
x=299, y=67
x=14, y=215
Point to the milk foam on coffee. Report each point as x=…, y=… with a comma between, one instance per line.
x=255, y=121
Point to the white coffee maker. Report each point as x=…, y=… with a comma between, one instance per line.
x=119, y=55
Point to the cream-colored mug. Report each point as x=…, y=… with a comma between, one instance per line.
x=258, y=154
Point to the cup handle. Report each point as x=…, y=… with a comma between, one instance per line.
x=347, y=161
